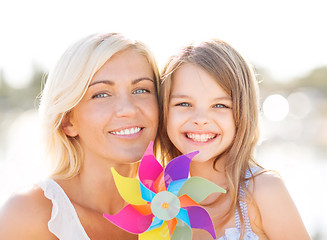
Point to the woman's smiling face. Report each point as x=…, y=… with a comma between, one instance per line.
x=200, y=115
x=118, y=116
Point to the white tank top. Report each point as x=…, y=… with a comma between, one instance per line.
x=64, y=222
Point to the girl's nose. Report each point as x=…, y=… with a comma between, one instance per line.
x=200, y=119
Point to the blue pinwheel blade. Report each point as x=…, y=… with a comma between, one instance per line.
x=156, y=222
x=146, y=193
x=176, y=185
x=183, y=215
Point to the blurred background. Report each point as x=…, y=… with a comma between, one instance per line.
x=284, y=40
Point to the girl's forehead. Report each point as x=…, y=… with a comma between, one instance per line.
x=191, y=79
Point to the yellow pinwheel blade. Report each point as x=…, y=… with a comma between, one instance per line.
x=129, y=188
x=161, y=233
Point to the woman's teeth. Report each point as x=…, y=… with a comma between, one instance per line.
x=201, y=137
x=127, y=131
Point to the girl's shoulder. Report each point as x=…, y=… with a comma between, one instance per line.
x=279, y=216
x=25, y=215
x=263, y=178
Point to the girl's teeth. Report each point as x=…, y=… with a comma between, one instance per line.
x=127, y=131
x=200, y=137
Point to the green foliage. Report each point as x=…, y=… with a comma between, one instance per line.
x=317, y=78
x=23, y=98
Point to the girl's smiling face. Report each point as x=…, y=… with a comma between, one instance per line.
x=200, y=115
x=118, y=115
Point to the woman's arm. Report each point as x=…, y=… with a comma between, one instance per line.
x=279, y=215
x=26, y=216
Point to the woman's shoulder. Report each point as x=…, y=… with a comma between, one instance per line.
x=25, y=215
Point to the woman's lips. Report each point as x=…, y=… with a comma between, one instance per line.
x=126, y=131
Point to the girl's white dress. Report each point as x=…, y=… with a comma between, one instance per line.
x=234, y=233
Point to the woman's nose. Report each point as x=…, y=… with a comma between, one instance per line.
x=125, y=107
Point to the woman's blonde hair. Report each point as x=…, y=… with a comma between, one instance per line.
x=65, y=87
x=237, y=78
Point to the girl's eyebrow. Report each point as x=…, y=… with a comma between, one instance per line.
x=223, y=98
x=179, y=96
x=215, y=99
x=112, y=83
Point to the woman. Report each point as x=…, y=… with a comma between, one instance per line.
x=98, y=110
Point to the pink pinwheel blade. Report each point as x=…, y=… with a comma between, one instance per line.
x=149, y=168
x=178, y=168
x=199, y=218
x=131, y=220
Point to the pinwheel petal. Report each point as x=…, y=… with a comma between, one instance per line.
x=143, y=209
x=186, y=201
x=146, y=193
x=178, y=168
x=156, y=222
x=159, y=184
x=176, y=185
x=161, y=233
x=129, y=188
x=199, y=188
x=199, y=218
x=149, y=168
x=183, y=215
x=171, y=225
x=130, y=220
x=182, y=231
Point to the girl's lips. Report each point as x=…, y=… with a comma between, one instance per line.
x=201, y=137
x=126, y=131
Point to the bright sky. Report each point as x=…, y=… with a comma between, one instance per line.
x=285, y=37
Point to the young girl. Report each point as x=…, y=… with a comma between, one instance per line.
x=208, y=100
x=99, y=110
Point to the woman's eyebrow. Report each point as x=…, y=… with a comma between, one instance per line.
x=112, y=83
x=108, y=82
x=142, y=79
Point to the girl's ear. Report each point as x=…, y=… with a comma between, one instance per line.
x=68, y=126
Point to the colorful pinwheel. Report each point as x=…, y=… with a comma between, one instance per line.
x=163, y=203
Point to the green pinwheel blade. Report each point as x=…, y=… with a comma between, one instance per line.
x=199, y=188
x=182, y=231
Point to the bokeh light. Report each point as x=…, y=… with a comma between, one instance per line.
x=275, y=107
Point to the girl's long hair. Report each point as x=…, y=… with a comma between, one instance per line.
x=237, y=78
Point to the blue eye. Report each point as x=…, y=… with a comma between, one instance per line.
x=220, y=106
x=100, y=95
x=141, y=91
x=184, y=104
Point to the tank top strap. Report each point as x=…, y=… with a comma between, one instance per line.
x=64, y=222
x=243, y=204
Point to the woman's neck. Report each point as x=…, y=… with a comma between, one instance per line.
x=94, y=186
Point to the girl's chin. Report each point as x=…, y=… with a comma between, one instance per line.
x=201, y=159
